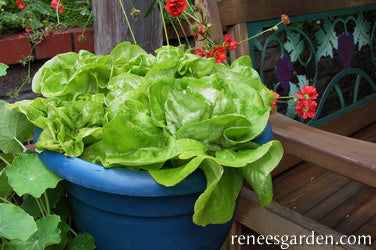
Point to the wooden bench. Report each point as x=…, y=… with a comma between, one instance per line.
x=326, y=182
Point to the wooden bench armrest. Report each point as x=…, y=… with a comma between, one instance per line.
x=347, y=156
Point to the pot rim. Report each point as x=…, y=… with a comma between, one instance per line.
x=123, y=181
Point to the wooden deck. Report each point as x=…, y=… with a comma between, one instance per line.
x=345, y=205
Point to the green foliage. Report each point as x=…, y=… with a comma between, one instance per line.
x=14, y=128
x=15, y=222
x=327, y=40
x=47, y=234
x=28, y=175
x=3, y=69
x=294, y=45
x=362, y=31
x=138, y=111
x=38, y=14
x=168, y=114
x=28, y=192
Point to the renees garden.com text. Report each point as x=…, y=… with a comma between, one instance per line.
x=285, y=241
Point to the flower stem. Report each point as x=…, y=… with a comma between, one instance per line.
x=47, y=203
x=40, y=207
x=5, y=200
x=164, y=23
x=57, y=12
x=71, y=230
x=185, y=35
x=175, y=30
x=20, y=143
x=126, y=19
x=5, y=161
x=259, y=34
x=193, y=17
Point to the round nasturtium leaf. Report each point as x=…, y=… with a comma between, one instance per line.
x=82, y=241
x=28, y=175
x=47, y=234
x=15, y=223
x=13, y=125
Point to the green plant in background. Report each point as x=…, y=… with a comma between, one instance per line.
x=38, y=15
x=33, y=208
x=40, y=18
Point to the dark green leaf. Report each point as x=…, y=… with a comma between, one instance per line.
x=13, y=125
x=82, y=241
x=151, y=7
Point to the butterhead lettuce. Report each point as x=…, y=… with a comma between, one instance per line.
x=170, y=114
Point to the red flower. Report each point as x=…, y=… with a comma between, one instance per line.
x=233, y=45
x=202, y=29
x=219, y=53
x=227, y=38
x=306, y=108
x=276, y=98
x=229, y=43
x=200, y=52
x=57, y=4
x=307, y=93
x=20, y=4
x=285, y=19
x=197, y=29
x=176, y=7
x=28, y=31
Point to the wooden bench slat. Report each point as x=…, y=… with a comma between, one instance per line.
x=277, y=220
x=369, y=228
x=358, y=218
x=347, y=156
x=309, y=189
x=348, y=207
x=301, y=175
x=335, y=200
x=320, y=195
x=242, y=11
x=355, y=120
x=367, y=134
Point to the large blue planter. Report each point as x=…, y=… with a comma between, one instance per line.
x=127, y=209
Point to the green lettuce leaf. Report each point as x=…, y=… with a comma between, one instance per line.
x=258, y=173
x=217, y=203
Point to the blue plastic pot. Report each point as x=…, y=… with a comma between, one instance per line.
x=127, y=209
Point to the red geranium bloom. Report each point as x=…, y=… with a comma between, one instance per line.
x=233, y=45
x=227, y=38
x=28, y=31
x=202, y=29
x=20, y=4
x=229, y=43
x=276, y=98
x=200, y=52
x=285, y=19
x=176, y=7
x=219, y=53
x=307, y=93
x=306, y=108
x=56, y=4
